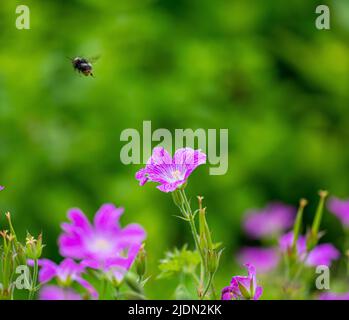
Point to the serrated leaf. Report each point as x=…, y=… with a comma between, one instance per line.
x=179, y=261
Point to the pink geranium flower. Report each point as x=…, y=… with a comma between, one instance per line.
x=65, y=273
x=58, y=293
x=104, y=245
x=243, y=287
x=170, y=173
x=263, y=259
x=322, y=254
x=270, y=221
x=339, y=208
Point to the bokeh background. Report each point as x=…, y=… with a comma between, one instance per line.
x=259, y=68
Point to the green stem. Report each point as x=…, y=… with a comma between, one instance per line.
x=35, y=276
x=104, y=289
x=213, y=290
x=189, y=215
x=208, y=285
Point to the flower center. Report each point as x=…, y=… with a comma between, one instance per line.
x=177, y=175
x=101, y=245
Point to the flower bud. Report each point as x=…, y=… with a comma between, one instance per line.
x=244, y=292
x=141, y=262
x=204, y=231
x=212, y=261
x=177, y=198
x=133, y=284
x=314, y=235
x=298, y=224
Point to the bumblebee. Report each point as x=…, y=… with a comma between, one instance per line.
x=83, y=65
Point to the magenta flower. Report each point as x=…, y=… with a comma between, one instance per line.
x=105, y=245
x=58, y=293
x=65, y=273
x=243, y=287
x=334, y=296
x=263, y=259
x=339, y=208
x=270, y=221
x=169, y=172
x=322, y=254
x=2, y=188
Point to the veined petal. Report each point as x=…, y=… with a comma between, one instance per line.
x=142, y=176
x=159, y=156
x=189, y=157
x=169, y=187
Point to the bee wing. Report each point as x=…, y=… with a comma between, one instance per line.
x=94, y=59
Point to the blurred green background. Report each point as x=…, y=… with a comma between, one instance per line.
x=259, y=68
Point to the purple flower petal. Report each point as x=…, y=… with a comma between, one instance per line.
x=264, y=259
x=57, y=293
x=322, y=254
x=270, y=221
x=107, y=218
x=48, y=270
x=339, y=208
x=160, y=156
x=258, y=293
x=188, y=156
x=79, y=220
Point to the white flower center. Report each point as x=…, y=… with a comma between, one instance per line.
x=177, y=175
x=101, y=245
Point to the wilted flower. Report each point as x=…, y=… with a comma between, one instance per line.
x=65, y=273
x=270, y=221
x=58, y=293
x=104, y=245
x=340, y=208
x=263, y=259
x=322, y=254
x=243, y=287
x=33, y=247
x=334, y=296
x=170, y=172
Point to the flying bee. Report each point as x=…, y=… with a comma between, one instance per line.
x=83, y=65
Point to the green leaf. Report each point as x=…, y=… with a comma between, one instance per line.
x=179, y=261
